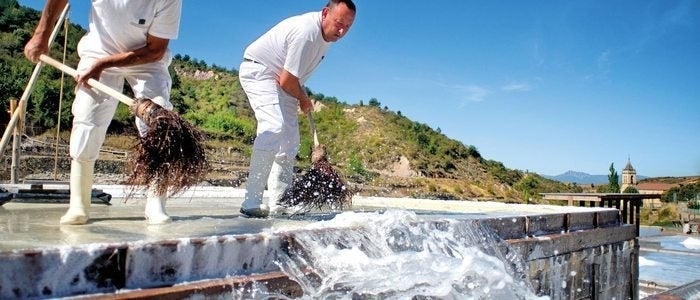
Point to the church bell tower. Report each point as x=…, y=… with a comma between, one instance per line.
x=629, y=176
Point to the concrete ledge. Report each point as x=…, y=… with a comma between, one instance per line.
x=534, y=248
x=105, y=268
x=101, y=268
x=209, y=242
x=687, y=291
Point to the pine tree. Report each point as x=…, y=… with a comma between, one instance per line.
x=613, y=180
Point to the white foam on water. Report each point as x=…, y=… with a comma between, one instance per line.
x=644, y=262
x=691, y=243
x=397, y=255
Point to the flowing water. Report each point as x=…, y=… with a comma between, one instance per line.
x=399, y=255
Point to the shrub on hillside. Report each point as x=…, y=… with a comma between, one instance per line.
x=223, y=124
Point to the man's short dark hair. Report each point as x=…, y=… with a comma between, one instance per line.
x=347, y=3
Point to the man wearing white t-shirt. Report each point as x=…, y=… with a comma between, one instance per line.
x=272, y=73
x=127, y=41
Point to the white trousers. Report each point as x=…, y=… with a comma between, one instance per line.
x=277, y=134
x=275, y=111
x=93, y=110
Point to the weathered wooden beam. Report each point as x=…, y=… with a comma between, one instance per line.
x=275, y=282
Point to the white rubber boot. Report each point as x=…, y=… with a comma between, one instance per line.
x=260, y=165
x=80, y=193
x=280, y=179
x=155, y=208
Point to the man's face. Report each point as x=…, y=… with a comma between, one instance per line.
x=336, y=22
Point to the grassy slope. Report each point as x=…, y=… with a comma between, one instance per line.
x=365, y=143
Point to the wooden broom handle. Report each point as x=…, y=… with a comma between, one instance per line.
x=30, y=85
x=92, y=82
x=312, y=124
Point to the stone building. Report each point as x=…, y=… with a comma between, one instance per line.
x=629, y=176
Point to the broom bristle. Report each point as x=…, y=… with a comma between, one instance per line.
x=319, y=187
x=170, y=158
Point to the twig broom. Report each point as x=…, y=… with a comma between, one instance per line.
x=319, y=187
x=171, y=156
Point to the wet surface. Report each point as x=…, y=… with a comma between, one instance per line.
x=670, y=260
x=208, y=237
x=25, y=226
x=203, y=212
x=35, y=225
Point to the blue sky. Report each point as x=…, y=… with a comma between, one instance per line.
x=544, y=86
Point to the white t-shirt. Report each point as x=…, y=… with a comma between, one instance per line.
x=296, y=44
x=121, y=25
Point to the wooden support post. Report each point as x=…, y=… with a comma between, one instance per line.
x=594, y=281
x=16, y=142
x=638, y=211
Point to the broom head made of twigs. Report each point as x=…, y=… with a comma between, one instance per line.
x=171, y=157
x=319, y=187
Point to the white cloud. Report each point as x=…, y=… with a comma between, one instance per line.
x=536, y=52
x=603, y=60
x=462, y=92
x=602, y=66
x=517, y=87
x=472, y=92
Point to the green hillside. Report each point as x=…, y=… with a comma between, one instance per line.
x=381, y=152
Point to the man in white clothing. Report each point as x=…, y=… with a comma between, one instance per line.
x=272, y=74
x=127, y=40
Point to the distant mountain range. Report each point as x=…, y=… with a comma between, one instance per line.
x=584, y=178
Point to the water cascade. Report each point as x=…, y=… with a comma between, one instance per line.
x=396, y=255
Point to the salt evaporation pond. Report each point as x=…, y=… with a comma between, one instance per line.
x=675, y=263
